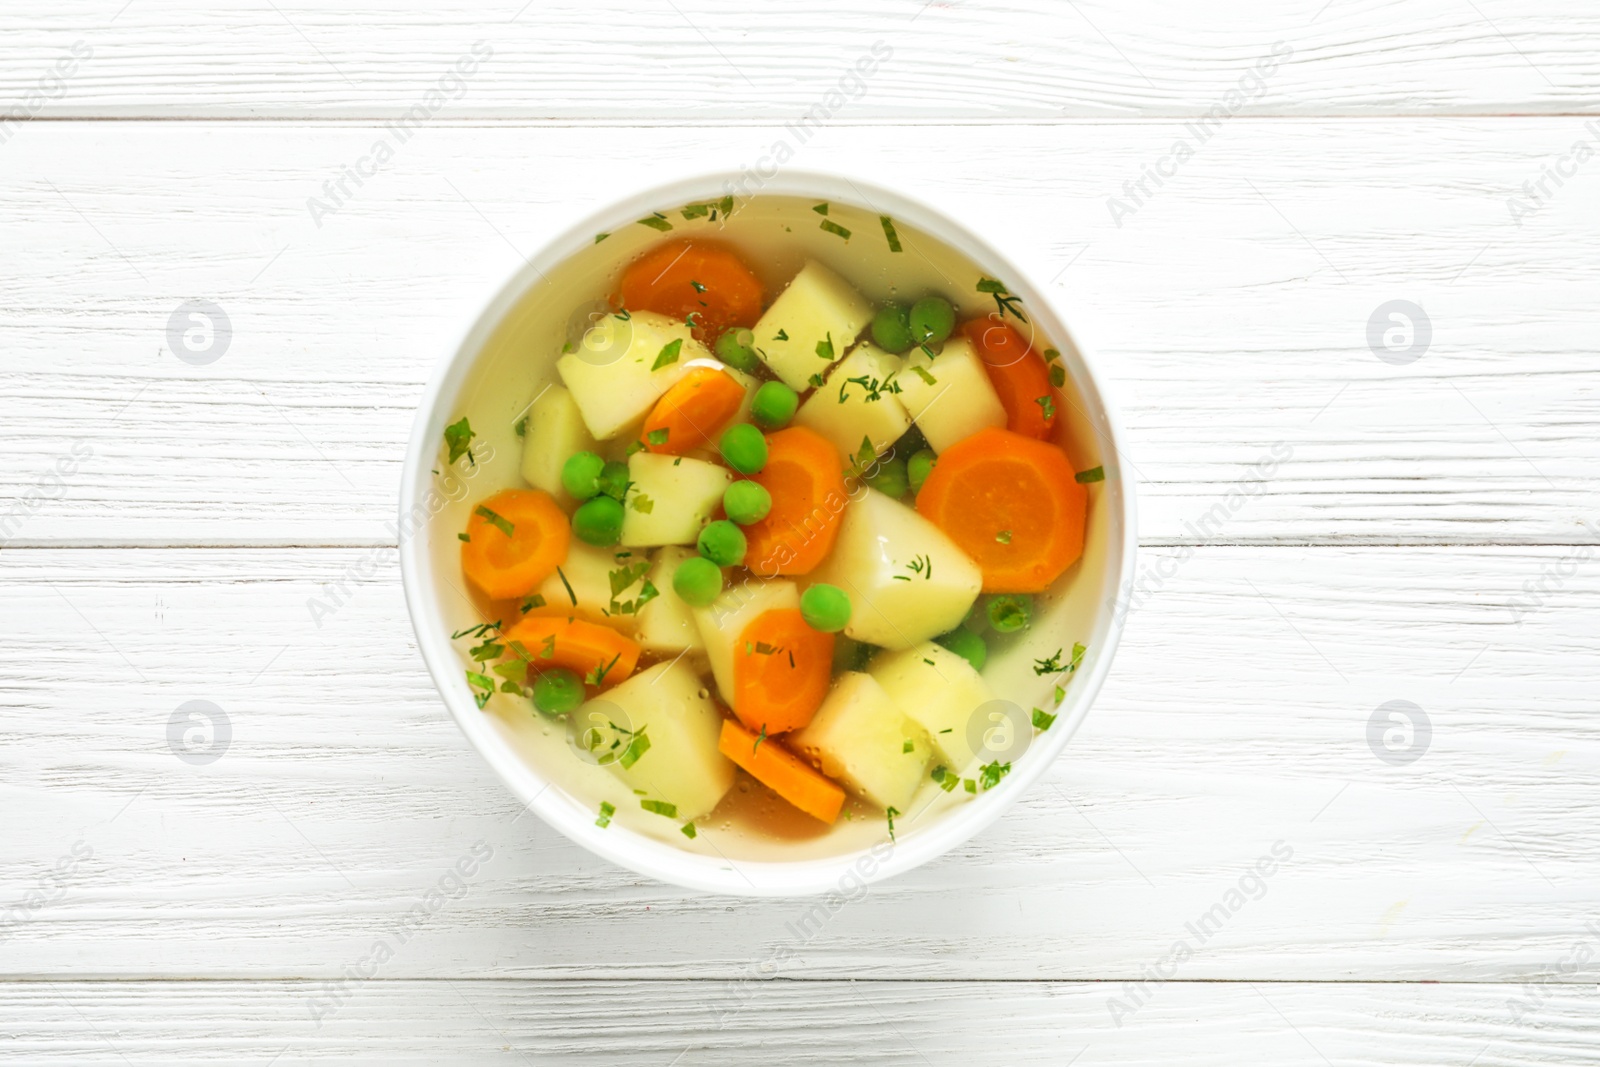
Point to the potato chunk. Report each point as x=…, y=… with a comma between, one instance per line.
x=724, y=619
x=906, y=580
x=818, y=308
x=610, y=374
x=940, y=690
x=588, y=571
x=862, y=739
x=870, y=407
x=666, y=623
x=555, y=430
x=681, y=765
x=949, y=397
x=671, y=499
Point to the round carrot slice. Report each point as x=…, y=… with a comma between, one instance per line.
x=689, y=414
x=781, y=668
x=702, y=279
x=805, y=479
x=515, y=540
x=1012, y=504
x=1019, y=374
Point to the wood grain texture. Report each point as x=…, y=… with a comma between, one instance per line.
x=710, y=61
x=1232, y=309
x=1237, y=718
x=626, y=1023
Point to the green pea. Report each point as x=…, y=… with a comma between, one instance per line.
x=580, y=474
x=1010, y=612
x=825, y=607
x=891, y=328
x=697, y=581
x=558, y=691
x=735, y=348
x=890, y=478
x=746, y=502
x=918, y=467
x=774, y=405
x=744, y=448
x=722, y=543
x=932, y=319
x=614, y=480
x=598, y=521
x=968, y=645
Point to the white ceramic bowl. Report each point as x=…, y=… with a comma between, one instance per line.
x=510, y=349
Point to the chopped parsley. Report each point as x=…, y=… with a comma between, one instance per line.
x=606, y=811
x=989, y=774
x=875, y=389
x=522, y=426
x=570, y=594
x=660, y=807
x=821, y=209
x=600, y=237
x=781, y=335
x=535, y=601
x=494, y=520
x=1053, y=664
x=458, y=437
x=922, y=565
x=688, y=830
x=1042, y=720
x=657, y=221
x=760, y=739
x=547, y=648
x=834, y=228
x=514, y=671
x=463, y=537
x=658, y=437
x=483, y=682
x=697, y=286
x=1048, y=404
x=633, y=446
x=642, y=504
x=490, y=649
x=597, y=677
x=638, y=745
x=1003, y=300
x=825, y=346
x=889, y=234
x=816, y=380
x=969, y=785
x=669, y=353
x=944, y=779
x=1093, y=474
x=922, y=372
x=696, y=211
x=908, y=746
x=1004, y=537
x=625, y=577
x=891, y=813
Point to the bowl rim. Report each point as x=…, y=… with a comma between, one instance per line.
x=643, y=854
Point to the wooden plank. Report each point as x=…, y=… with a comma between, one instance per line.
x=699, y=61
x=1235, y=723
x=1233, y=308
x=913, y=1023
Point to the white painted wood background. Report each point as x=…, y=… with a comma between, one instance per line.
x=1445, y=912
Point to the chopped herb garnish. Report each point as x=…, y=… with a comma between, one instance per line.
x=515, y=670
x=907, y=746
x=600, y=237
x=660, y=807
x=568, y=585
x=479, y=630
x=669, y=353
x=547, y=649
x=633, y=446
x=891, y=813
x=969, y=785
x=889, y=234
x=638, y=745
x=606, y=811
x=1004, y=537
x=834, y=228
x=658, y=221
x=689, y=831
x=622, y=314
x=1042, y=720
x=989, y=774
x=781, y=335
x=1048, y=404
x=875, y=389
x=922, y=372
x=865, y=455
x=658, y=437
x=1093, y=474
x=816, y=380
x=760, y=739
x=463, y=537
x=458, y=437
x=522, y=426
x=1003, y=300
x=921, y=565
x=1061, y=694
x=1058, y=376
x=1053, y=664
x=483, y=682
x=726, y=204
x=642, y=504
x=688, y=320
x=696, y=211
x=597, y=677
x=825, y=346
x=697, y=286
x=622, y=579
x=494, y=520
x=490, y=649
x=821, y=209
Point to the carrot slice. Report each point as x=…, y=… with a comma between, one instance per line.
x=805, y=477
x=1012, y=504
x=1019, y=374
x=779, y=770
x=515, y=540
x=601, y=655
x=690, y=413
x=700, y=278
x=781, y=668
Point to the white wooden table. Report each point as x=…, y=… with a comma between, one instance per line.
x=1427, y=538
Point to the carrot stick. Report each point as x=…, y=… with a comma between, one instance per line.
x=601, y=655
x=1012, y=504
x=781, y=668
x=775, y=767
x=689, y=414
x=805, y=478
x=702, y=283
x=515, y=540
x=1019, y=375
